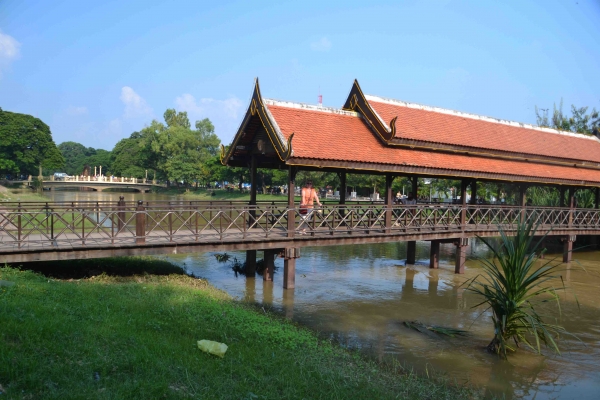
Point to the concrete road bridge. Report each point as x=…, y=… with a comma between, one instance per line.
x=96, y=184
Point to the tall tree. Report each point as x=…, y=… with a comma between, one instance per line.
x=579, y=121
x=25, y=144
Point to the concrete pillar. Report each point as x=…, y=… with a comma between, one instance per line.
x=269, y=260
x=250, y=263
x=461, y=255
x=289, y=267
x=434, y=254
x=411, y=252
x=568, y=248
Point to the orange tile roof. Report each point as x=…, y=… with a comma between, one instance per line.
x=433, y=125
x=344, y=136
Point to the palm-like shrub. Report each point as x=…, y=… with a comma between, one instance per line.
x=510, y=285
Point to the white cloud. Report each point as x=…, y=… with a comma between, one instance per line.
x=135, y=105
x=74, y=110
x=322, y=44
x=9, y=50
x=224, y=114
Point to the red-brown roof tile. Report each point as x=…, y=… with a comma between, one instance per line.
x=334, y=136
x=436, y=127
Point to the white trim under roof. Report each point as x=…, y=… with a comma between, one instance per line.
x=477, y=117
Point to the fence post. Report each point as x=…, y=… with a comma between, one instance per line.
x=140, y=223
x=120, y=213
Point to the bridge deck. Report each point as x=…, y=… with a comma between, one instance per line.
x=46, y=231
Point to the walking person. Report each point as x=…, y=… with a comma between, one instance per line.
x=308, y=198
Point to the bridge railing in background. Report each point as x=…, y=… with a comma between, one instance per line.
x=100, y=223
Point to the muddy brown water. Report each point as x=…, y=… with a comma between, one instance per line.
x=361, y=295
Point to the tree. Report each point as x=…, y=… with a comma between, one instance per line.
x=181, y=153
x=579, y=121
x=25, y=144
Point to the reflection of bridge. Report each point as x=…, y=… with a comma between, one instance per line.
x=53, y=231
x=97, y=184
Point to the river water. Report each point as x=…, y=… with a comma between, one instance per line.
x=360, y=296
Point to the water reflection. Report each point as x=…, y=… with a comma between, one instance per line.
x=361, y=295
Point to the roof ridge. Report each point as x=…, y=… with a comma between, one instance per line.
x=455, y=113
x=310, y=107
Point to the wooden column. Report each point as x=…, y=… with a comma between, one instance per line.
x=253, y=183
x=434, y=254
x=389, y=196
x=342, y=176
x=250, y=263
x=121, y=213
x=140, y=223
x=463, y=202
x=269, y=260
x=415, y=186
x=561, y=195
x=411, y=252
x=568, y=248
x=571, y=204
x=290, y=255
x=522, y=202
x=461, y=255
x=473, y=199
x=291, y=217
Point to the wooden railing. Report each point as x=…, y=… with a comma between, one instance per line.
x=42, y=225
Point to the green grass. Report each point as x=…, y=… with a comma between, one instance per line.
x=117, y=337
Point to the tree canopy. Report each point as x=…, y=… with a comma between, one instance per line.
x=25, y=144
x=580, y=120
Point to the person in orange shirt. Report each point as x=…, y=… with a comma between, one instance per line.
x=309, y=196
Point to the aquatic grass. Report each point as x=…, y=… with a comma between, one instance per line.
x=441, y=330
x=135, y=337
x=510, y=285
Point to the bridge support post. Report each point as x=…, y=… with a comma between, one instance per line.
x=568, y=248
x=434, y=254
x=120, y=213
x=411, y=252
x=290, y=255
x=291, y=213
x=461, y=255
x=140, y=223
x=253, y=183
x=250, y=263
x=473, y=199
x=388, y=202
x=269, y=260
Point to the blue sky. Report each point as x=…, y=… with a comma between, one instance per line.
x=97, y=71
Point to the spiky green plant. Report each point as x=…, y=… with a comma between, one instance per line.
x=510, y=285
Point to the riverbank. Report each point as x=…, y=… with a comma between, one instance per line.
x=12, y=194
x=134, y=336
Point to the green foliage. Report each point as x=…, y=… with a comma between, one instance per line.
x=579, y=121
x=25, y=144
x=510, y=285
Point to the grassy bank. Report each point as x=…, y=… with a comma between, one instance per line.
x=135, y=337
x=11, y=194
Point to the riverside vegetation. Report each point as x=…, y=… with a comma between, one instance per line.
x=128, y=327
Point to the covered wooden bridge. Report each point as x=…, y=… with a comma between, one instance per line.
x=368, y=135
x=375, y=135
